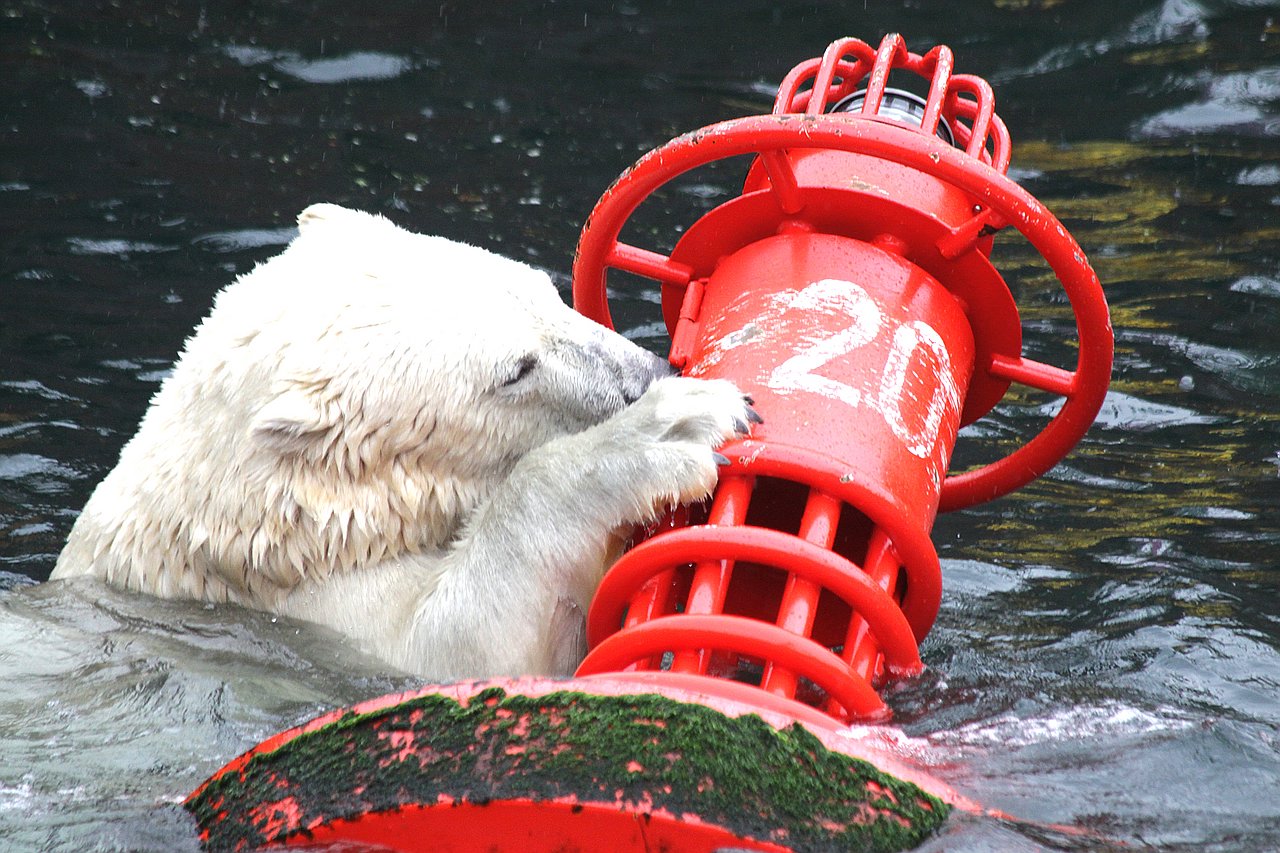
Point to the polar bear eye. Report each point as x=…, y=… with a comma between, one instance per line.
x=522, y=368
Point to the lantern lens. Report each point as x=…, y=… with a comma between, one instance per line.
x=897, y=104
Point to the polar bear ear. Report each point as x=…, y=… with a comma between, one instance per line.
x=292, y=422
x=319, y=214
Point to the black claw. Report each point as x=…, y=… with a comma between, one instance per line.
x=754, y=416
x=750, y=401
x=741, y=427
x=720, y=458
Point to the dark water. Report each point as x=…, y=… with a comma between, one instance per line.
x=1107, y=652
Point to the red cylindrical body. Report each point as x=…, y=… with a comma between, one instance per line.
x=860, y=360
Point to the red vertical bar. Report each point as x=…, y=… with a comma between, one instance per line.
x=782, y=178
x=861, y=648
x=654, y=598
x=711, y=579
x=800, y=597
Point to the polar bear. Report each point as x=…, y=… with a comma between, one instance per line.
x=412, y=441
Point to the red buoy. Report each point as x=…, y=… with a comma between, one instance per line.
x=849, y=289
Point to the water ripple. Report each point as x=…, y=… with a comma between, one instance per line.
x=1241, y=103
x=120, y=248
x=1109, y=720
x=1266, y=175
x=350, y=67
x=1127, y=412
x=245, y=238
x=361, y=65
x=1256, y=284
x=15, y=465
x=1173, y=21
x=39, y=389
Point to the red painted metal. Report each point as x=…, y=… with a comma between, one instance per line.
x=528, y=826
x=849, y=290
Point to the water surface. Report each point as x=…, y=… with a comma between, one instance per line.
x=1106, y=655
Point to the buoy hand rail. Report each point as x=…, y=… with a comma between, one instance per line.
x=766, y=547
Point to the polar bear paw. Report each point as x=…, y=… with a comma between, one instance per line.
x=682, y=422
x=704, y=411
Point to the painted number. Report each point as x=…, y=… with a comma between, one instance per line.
x=863, y=322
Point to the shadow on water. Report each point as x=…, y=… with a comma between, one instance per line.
x=1106, y=655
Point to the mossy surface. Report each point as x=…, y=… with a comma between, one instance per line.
x=642, y=753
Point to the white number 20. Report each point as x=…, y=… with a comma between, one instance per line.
x=865, y=320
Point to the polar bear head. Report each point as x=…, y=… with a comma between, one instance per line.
x=384, y=342
x=350, y=399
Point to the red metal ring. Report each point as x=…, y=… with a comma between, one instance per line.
x=765, y=546
x=1084, y=388
x=751, y=637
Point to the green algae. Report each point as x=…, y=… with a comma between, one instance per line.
x=643, y=753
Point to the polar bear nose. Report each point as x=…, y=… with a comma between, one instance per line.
x=651, y=369
x=632, y=367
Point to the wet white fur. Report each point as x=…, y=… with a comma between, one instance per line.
x=410, y=440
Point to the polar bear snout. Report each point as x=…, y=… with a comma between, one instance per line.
x=648, y=368
x=630, y=367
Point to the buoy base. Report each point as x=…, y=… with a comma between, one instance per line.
x=534, y=764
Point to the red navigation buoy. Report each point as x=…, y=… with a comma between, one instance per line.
x=850, y=290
